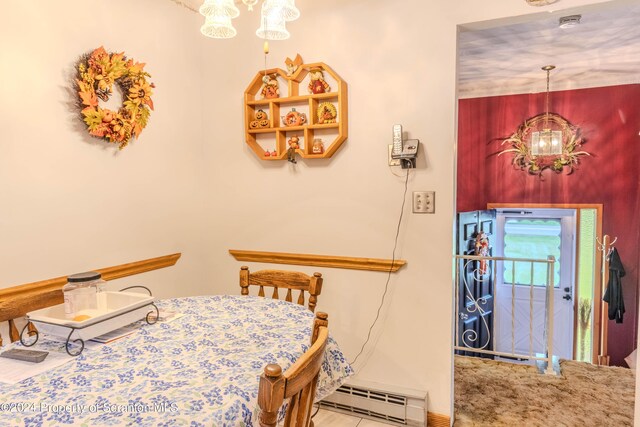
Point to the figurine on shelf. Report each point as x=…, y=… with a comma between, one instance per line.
x=318, y=146
x=317, y=84
x=274, y=154
x=270, y=89
x=326, y=113
x=294, y=118
x=293, y=145
x=261, y=121
x=267, y=153
x=292, y=66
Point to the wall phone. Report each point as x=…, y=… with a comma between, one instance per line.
x=404, y=150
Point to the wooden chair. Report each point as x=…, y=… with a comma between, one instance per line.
x=279, y=279
x=297, y=384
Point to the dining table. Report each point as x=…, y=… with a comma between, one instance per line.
x=200, y=369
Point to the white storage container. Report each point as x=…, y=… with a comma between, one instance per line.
x=120, y=309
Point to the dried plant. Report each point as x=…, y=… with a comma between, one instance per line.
x=584, y=313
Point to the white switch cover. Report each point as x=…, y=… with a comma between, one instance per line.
x=424, y=202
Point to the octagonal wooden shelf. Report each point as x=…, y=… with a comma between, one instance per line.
x=276, y=134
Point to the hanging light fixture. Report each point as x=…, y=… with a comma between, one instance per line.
x=250, y=4
x=219, y=8
x=218, y=15
x=546, y=142
x=274, y=14
x=286, y=8
x=272, y=24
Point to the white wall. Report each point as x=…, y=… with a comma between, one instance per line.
x=190, y=184
x=399, y=62
x=69, y=202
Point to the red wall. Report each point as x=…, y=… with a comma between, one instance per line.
x=609, y=119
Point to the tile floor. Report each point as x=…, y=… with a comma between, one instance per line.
x=326, y=418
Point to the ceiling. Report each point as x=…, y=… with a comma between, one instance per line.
x=500, y=57
x=603, y=50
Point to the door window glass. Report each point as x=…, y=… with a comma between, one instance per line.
x=535, y=238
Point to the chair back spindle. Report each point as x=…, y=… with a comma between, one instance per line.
x=280, y=279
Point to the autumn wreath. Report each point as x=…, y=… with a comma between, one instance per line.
x=97, y=73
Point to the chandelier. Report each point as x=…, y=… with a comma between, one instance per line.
x=273, y=17
x=546, y=142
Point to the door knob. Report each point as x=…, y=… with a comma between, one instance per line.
x=567, y=297
x=567, y=289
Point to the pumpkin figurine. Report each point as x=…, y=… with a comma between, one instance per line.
x=317, y=84
x=267, y=153
x=261, y=121
x=274, y=154
x=270, y=89
x=294, y=118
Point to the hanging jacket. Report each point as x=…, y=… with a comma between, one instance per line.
x=613, y=294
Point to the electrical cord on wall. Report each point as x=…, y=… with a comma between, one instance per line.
x=393, y=259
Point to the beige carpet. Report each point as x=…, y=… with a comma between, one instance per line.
x=490, y=393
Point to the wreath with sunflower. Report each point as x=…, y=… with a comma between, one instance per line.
x=97, y=72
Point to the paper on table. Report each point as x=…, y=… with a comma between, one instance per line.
x=116, y=334
x=13, y=371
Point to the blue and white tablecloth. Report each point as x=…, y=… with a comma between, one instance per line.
x=199, y=370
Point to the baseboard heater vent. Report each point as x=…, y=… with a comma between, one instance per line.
x=365, y=402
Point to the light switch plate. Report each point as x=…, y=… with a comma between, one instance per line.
x=424, y=202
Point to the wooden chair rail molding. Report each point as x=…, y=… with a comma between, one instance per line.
x=17, y=301
x=438, y=420
x=332, y=261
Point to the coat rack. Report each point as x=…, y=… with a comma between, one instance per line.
x=605, y=247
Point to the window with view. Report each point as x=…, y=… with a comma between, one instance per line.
x=535, y=238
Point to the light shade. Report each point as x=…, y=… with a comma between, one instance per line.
x=546, y=143
x=219, y=9
x=218, y=27
x=272, y=27
x=286, y=8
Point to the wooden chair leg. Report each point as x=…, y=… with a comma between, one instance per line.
x=14, y=335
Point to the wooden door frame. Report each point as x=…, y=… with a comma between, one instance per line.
x=600, y=324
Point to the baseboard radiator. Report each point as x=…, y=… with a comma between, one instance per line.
x=399, y=407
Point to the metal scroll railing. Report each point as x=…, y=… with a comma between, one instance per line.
x=485, y=301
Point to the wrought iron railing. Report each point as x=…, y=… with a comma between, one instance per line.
x=476, y=297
